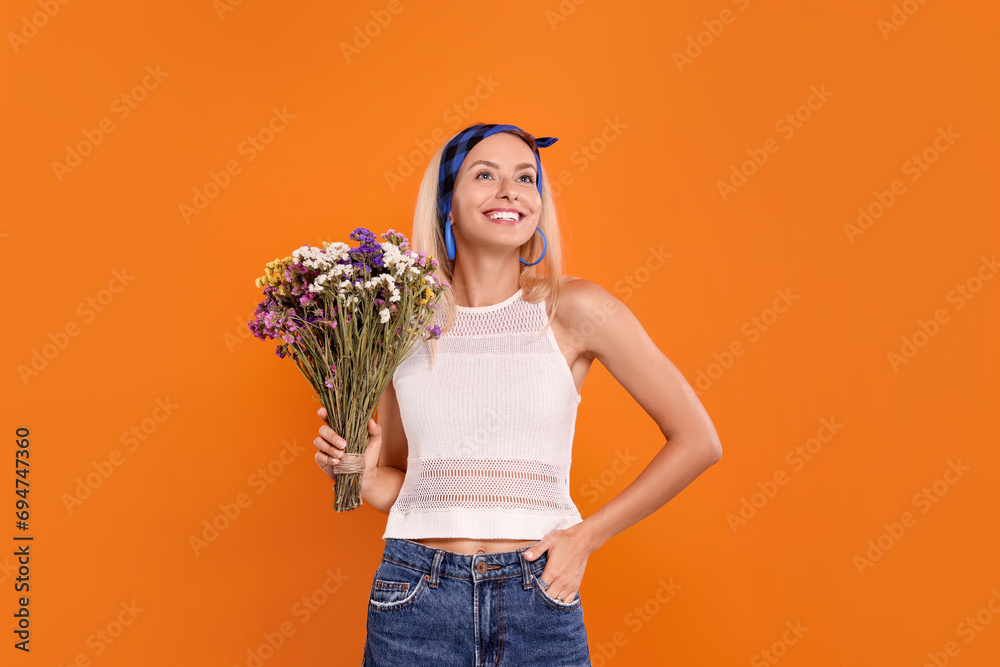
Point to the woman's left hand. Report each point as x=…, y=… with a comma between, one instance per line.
x=568, y=550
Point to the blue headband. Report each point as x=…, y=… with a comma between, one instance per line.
x=456, y=150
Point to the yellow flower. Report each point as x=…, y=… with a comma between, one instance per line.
x=429, y=294
x=274, y=272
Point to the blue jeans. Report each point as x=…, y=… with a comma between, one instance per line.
x=444, y=609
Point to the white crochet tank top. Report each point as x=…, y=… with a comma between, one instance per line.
x=489, y=429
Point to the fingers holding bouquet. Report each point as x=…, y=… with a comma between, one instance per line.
x=331, y=447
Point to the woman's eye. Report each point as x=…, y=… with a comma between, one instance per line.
x=530, y=177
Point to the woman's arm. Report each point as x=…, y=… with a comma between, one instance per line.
x=381, y=492
x=611, y=334
x=384, y=488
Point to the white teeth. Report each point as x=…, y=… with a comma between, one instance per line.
x=503, y=215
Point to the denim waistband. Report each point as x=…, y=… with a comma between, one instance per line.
x=443, y=563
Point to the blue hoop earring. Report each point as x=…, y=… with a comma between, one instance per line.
x=449, y=240
x=544, y=244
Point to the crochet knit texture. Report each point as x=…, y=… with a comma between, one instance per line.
x=489, y=428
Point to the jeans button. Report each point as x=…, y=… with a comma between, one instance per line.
x=480, y=567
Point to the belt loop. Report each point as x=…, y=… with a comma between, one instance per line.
x=435, y=568
x=525, y=571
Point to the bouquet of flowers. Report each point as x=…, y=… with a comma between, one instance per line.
x=347, y=317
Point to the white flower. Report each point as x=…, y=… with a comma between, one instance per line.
x=313, y=258
x=338, y=249
x=396, y=261
x=384, y=314
x=317, y=285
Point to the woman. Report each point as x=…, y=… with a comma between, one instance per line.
x=485, y=551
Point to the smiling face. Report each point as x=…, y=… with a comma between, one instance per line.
x=496, y=199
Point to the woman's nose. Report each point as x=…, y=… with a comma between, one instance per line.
x=507, y=190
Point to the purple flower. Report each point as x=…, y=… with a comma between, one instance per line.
x=368, y=254
x=363, y=234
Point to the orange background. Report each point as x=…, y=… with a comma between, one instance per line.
x=176, y=332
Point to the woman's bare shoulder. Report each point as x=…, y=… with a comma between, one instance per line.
x=583, y=295
x=582, y=301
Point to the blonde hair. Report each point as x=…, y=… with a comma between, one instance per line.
x=537, y=282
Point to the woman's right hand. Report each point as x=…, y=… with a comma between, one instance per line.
x=330, y=449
